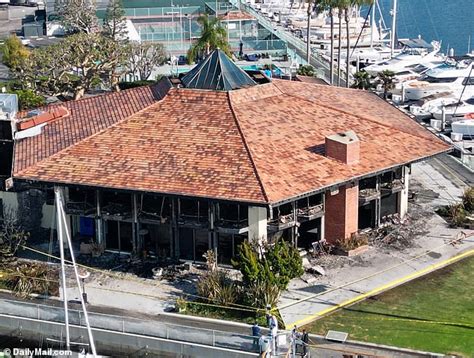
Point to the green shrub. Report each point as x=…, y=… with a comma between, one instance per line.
x=468, y=199
x=457, y=214
x=218, y=288
x=27, y=99
x=127, y=85
x=14, y=52
x=277, y=264
x=260, y=294
x=353, y=242
x=305, y=70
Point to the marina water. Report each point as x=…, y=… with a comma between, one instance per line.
x=451, y=21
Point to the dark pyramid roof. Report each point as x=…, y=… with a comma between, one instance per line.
x=217, y=72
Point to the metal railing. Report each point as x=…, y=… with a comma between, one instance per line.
x=316, y=60
x=198, y=335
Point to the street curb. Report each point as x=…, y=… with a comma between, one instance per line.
x=378, y=290
x=383, y=346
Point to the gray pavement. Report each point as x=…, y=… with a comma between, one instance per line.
x=379, y=268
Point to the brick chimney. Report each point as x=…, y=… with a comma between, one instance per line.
x=344, y=147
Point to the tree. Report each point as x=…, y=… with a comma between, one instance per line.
x=77, y=15
x=347, y=8
x=115, y=29
x=362, y=80
x=308, y=32
x=331, y=17
x=144, y=57
x=213, y=36
x=340, y=4
x=14, y=52
x=28, y=99
x=305, y=70
x=12, y=237
x=278, y=265
x=115, y=23
x=386, y=79
x=72, y=66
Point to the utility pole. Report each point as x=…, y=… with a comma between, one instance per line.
x=394, y=25
x=60, y=232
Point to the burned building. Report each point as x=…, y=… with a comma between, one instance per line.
x=175, y=171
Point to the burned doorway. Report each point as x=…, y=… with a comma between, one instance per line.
x=228, y=246
x=367, y=215
x=157, y=239
x=309, y=232
x=389, y=205
x=118, y=236
x=193, y=243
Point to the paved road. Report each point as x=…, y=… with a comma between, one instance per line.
x=451, y=167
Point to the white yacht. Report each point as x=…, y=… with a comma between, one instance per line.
x=431, y=103
x=414, y=52
x=446, y=78
x=454, y=111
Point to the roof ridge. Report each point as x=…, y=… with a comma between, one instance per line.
x=247, y=149
x=292, y=94
x=95, y=134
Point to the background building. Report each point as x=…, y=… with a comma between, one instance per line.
x=174, y=24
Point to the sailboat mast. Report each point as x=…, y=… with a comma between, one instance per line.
x=60, y=232
x=373, y=25
x=394, y=25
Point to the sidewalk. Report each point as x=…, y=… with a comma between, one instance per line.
x=379, y=269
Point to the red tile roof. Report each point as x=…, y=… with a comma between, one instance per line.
x=260, y=144
x=87, y=117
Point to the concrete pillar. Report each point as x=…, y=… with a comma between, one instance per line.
x=322, y=234
x=137, y=238
x=174, y=225
x=257, y=223
x=99, y=227
x=403, y=198
x=68, y=217
x=341, y=217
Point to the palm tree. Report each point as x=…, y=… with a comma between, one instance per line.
x=330, y=5
x=340, y=4
x=386, y=79
x=213, y=36
x=308, y=30
x=362, y=80
x=347, y=8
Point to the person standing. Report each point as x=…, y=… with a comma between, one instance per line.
x=273, y=324
x=305, y=340
x=256, y=332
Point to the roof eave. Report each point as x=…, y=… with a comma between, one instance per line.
x=41, y=182
x=360, y=177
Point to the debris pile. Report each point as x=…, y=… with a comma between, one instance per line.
x=400, y=234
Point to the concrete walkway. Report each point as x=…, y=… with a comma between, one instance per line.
x=379, y=269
